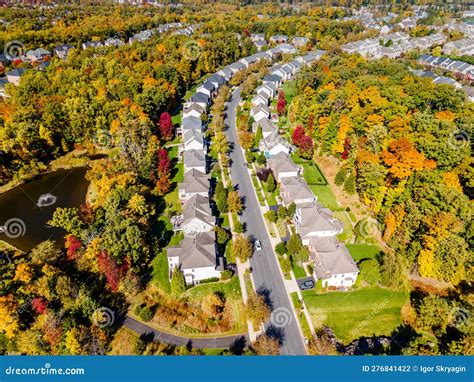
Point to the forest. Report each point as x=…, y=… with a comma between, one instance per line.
x=402, y=145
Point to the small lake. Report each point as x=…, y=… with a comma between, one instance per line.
x=26, y=209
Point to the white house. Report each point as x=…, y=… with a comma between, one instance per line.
x=193, y=110
x=332, y=263
x=193, y=140
x=194, y=159
x=313, y=220
x=259, y=112
x=194, y=182
x=294, y=189
x=196, y=257
x=267, y=126
x=206, y=88
x=259, y=100
x=197, y=215
x=274, y=144
x=282, y=166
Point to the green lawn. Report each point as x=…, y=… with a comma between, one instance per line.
x=348, y=234
x=325, y=196
x=363, y=312
x=160, y=272
x=231, y=289
x=363, y=251
x=313, y=175
x=302, y=318
x=298, y=270
x=225, y=220
x=289, y=88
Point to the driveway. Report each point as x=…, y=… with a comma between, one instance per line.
x=265, y=271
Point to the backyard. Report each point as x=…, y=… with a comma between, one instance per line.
x=363, y=312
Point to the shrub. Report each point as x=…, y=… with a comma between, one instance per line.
x=350, y=184
x=209, y=280
x=249, y=157
x=271, y=184
x=263, y=174
x=226, y=275
x=280, y=248
x=340, y=177
x=261, y=159
x=370, y=271
x=145, y=314
x=271, y=216
x=238, y=227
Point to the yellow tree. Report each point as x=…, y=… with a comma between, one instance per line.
x=8, y=317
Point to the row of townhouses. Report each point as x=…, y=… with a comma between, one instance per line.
x=40, y=56
x=196, y=255
x=260, y=41
x=315, y=224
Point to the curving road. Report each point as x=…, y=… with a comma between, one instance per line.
x=265, y=272
x=236, y=341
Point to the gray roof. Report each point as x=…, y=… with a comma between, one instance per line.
x=194, y=158
x=315, y=218
x=282, y=162
x=208, y=85
x=191, y=123
x=197, y=251
x=274, y=139
x=334, y=262
x=295, y=188
x=190, y=135
x=272, y=78
x=199, y=97
x=197, y=207
x=267, y=126
x=194, y=181
x=217, y=78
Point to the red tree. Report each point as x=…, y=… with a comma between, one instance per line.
x=306, y=147
x=298, y=134
x=166, y=126
x=281, y=106
x=164, y=162
x=111, y=270
x=72, y=244
x=39, y=305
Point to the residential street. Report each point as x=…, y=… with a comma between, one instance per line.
x=198, y=343
x=266, y=274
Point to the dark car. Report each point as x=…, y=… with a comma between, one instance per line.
x=309, y=284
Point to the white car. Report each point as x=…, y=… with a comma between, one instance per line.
x=258, y=245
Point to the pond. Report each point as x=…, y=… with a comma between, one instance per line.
x=26, y=209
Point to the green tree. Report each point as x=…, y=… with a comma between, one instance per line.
x=256, y=309
x=291, y=209
x=340, y=176
x=271, y=216
x=222, y=235
x=220, y=197
x=271, y=184
x=178, y=283
x=294, y=244
x=280, y=248
x=369, y=270
x=350, y=184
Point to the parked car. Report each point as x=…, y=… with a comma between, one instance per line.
x=258, y=245
x=309, y=284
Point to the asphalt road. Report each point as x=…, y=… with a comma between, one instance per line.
x=198, y=343
x=265, y=272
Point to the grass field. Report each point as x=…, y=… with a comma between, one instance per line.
x=325, y=196
x=298, y=270
x=231, y=289
x=348, y=234
x=160, y=272
x=364, y=312
x=363, y=251
x=313, y=175
x=302, y=318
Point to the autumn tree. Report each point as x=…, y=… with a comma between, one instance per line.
x=234, y=202
x=166, y=126
x=178, y=283
x=242, y=248
x=256, y=309
x=266, y=345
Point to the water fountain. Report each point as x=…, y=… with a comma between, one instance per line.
x=46, y=200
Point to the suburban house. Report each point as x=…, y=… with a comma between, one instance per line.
x=193, y=110
x=285, y=49
x=194, y=182
x=236, y=67
x=194, y=159
x=299, y=41
x=257, y=37
x=259, y=100
x=461, y=47
x=197, y=215
x=197, y=258
x=226, y=73
x=217, y=80
x=278, y=39
x=273, y=144
x=62, y=50
x=207, y=88
x=193, y=139
x=260, y=112
x=294, y=189
x=191, y=122
x=267, y=126
x=313, y=220
x=14, y=75
x=332, y=262
x=266, y=90
x=200, y=98
x=91, y=44
x=260, y=45
x=113, y=42
x=36, y=55
x=273, y=78
x=282, y=166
